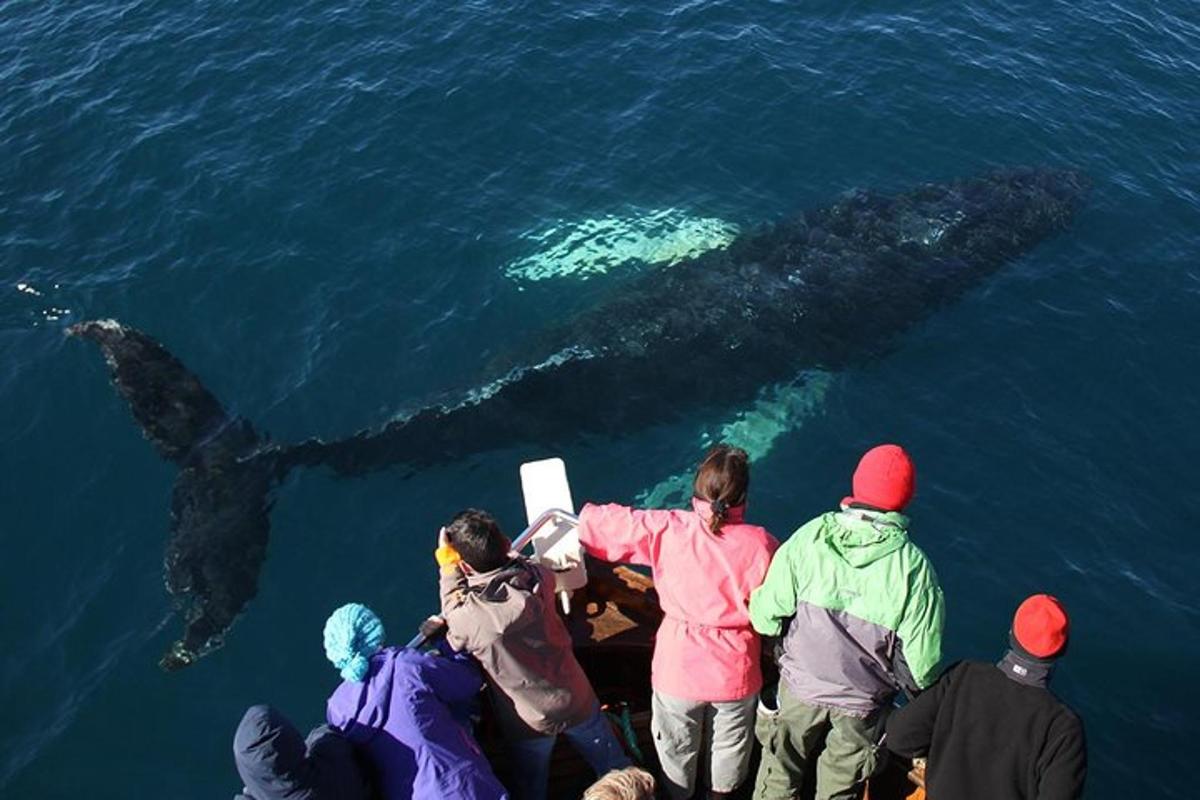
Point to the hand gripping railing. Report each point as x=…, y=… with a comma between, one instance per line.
x=555, y=515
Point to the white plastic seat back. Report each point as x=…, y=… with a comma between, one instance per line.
x=556, y=545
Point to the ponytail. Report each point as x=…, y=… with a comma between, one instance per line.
x=718, y=516
x=722, y=481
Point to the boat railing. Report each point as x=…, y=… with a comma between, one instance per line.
x=553, y=515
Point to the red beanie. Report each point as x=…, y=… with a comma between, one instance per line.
x=1040, y=626
x=885, y=478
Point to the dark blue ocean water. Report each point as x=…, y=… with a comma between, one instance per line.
x=313, y=205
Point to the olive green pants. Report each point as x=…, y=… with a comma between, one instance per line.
x=795, y=732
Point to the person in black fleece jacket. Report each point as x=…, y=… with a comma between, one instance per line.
x=995, y=731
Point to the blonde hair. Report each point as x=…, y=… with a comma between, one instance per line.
x=631, y=783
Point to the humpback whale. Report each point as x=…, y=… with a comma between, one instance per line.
x=818, y=290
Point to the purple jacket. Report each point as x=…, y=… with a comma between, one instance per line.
x=405, y=718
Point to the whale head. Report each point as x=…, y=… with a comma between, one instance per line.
x=978, y=224
x=926, y=246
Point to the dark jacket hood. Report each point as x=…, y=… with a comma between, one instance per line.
x=271, y=757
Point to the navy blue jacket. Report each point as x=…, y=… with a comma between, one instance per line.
x=275, y=763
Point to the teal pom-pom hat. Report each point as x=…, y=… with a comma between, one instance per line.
x=353, y=634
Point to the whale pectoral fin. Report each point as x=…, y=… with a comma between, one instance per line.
x=777, y=411
x=606, y=245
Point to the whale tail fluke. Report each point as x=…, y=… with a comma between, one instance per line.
x=221, y=499
x=174, y=409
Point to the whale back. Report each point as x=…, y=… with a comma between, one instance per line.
x=820, y=288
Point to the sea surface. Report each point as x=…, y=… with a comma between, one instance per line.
x=333, y=210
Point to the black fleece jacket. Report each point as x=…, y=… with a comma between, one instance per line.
x=990, y=737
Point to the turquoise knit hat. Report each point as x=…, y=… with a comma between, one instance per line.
x=352, y=635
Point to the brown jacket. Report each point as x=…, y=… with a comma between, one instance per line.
x=507, y=619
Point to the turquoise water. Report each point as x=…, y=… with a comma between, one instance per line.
x=318, y=207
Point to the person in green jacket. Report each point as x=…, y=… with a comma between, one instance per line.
x=866, y=616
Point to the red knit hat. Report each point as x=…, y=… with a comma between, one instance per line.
x=1040, y=626
x=885, y=478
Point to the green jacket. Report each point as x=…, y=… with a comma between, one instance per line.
x=868, y=611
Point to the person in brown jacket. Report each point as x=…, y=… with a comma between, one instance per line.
x=499, y=607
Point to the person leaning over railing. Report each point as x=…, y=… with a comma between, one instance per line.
x=499, y=607
x=868, y=616
x=996, y=731
x=408, y=711
x=706, y=671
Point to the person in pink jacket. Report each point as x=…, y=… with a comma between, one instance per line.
x=706, y=671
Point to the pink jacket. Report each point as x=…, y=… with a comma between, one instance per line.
x=705, y=649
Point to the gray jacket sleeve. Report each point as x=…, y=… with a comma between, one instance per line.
x=903, y=673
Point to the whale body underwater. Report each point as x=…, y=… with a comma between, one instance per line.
x=821, y=289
